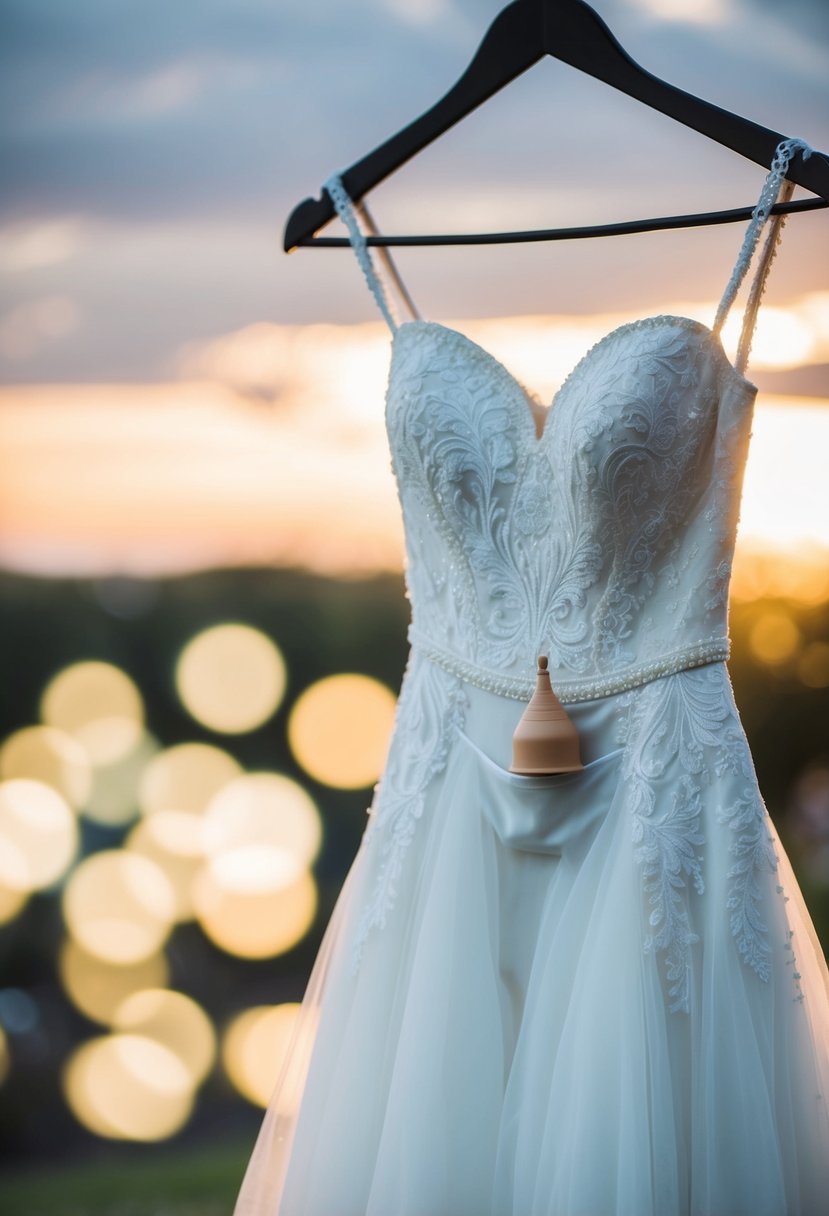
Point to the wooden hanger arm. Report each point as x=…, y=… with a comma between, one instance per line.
x=510, y=46
x=522, y=34
x=577, y=35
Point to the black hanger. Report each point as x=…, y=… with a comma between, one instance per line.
x=569, y=30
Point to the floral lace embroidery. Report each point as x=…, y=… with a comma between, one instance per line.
x=665, y=728
x=681, y=733
x=753, y=850
x=751, y=844
x=522, y=544
x=431, y=706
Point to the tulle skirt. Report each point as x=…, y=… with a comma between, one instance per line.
x=511, y=1043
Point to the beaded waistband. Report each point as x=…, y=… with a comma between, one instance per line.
x=569, y=690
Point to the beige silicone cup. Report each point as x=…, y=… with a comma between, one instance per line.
x=545, y=740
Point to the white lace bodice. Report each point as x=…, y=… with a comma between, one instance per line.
x=604, y=543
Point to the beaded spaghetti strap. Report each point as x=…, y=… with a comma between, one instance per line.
x=347, y=213
x=775, y=189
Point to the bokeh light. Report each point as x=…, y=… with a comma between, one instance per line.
x=119, y=906
x=176, y=1021
x=51, y=756
x=231, y=678
x=128, y=1087
x=38, y=835
x=255, y=902
x=186, y=777
x=97, y=988
x=12, y=899
x=20, y=1012
x=174, y=840
x=263, y=809
x=255, y=1046
x=774, y=637
x=5, y=1056
x=339, y=730
x=113, y=799
x=99, y=705
x=813, y=665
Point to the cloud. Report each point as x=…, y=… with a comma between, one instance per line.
x=690, y=12
x=24, y=330
x=102, y=99
x=808, y=16
x=30, y=246
x=421, y=12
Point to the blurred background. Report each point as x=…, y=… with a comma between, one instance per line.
x=202, y=605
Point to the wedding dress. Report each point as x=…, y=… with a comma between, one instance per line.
x=588, y=994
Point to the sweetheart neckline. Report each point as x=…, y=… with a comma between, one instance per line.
x=537, y=437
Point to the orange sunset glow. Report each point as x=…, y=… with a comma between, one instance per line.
x=270, y=448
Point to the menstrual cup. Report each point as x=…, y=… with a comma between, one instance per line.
x=545, y=740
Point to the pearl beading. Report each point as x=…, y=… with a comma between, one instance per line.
x=345, y=209
x=568, y=691
x=769, y=195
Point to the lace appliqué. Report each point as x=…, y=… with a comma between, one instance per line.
x=665, y=733
x=430, y=708
x=751, y=844
x=493, y=506
x=685, y=744
x=556, y=543
x=753, y=850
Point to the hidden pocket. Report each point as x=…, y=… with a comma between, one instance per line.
x=544, y=814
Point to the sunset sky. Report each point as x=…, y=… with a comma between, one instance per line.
x=179, y=394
